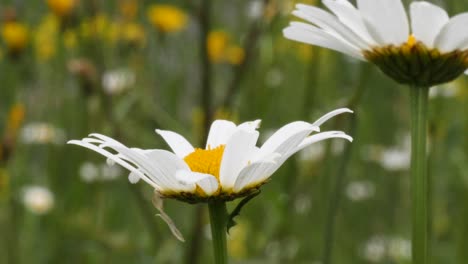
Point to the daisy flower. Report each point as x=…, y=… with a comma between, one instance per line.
x=426, y=50
x=230, y=166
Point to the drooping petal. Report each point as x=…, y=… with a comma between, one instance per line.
x=350, y=17
x=285, y=139
x=426, y=21
x=236, y=155
x=331, y=114
x=386, y=20
x=176, y=142
x=206, y=182
x=319, y=137
x=330, y=24
x=255, y=173
x=312, y=35
x=220, y=132
x=131, y=167
x=453, y=35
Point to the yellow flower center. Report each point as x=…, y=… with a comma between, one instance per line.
x=206, y=160
x=411, y=41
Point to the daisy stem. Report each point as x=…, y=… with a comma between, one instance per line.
x=218, y=221
x=419, y=178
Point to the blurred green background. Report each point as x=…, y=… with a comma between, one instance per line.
x=125, y=67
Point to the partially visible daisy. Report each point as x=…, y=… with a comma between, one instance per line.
x=230, y=166
x=429, y=49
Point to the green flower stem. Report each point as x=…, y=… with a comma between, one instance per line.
x=419, y=178
x=218, y=221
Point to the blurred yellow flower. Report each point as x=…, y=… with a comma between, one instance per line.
x=15, y=118
x=217, y=44
x=220, y=50
x=128, y=8
x=167, y=18
x=100, y=27
x=15, y=36
x=62, y=8
x=133, y=33
x=235, y=55
x=45, y=36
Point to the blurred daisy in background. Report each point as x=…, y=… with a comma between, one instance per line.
x=90, y=172
x=360, y=190
x=384, y=248
x=42, y=133
x=434, y=51
x=116, y=81
x=37, y=199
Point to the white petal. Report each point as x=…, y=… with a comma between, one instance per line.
x=351, y=18
x=454, y=34
x=176, y=142
x=220, y=132
x=118, y=160
x=236, y=155
x=466, y=72
x=161, y=165
x=386, y=20
x=133, y=177
x=312, y=35
x=253, y=174
x=286, y=138
x=319, y=137
x=250, y=125
x=330, y=24
x=426, y=21
x=208, y=183
x=329, y=115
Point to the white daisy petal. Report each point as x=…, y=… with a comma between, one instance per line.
x=331, y=114
x=160, y=164
x=350, y=17
x=426, y=21
x=220, y=132
x=176, y=142
x=253, y=174
x=312, y=35
x=118, y=160
x=330, y=24
x=250, y=125
x=208, y=183
x=319, y=137
x=453, y=35
x=237, y=154
x=386, y=20
x=285, y=139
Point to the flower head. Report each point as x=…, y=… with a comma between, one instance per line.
x=167, y=18
x=433, y=51
x=230, y=166
x=62, y=8
x=15, y=35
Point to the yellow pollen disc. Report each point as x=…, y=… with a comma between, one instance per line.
x=206, y=160
x=411, y=40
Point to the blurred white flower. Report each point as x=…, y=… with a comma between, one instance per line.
x=37, y=199
x=42, y=133
x=117, y=81
x=360, y=190
x=255, y=9
x=374, y=249
x=447, y=90
x=395, y=159
x=381, y=247
x=90, y=172
x=399, y=248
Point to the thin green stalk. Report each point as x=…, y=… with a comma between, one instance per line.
x=419, y=179
x=218, y=221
